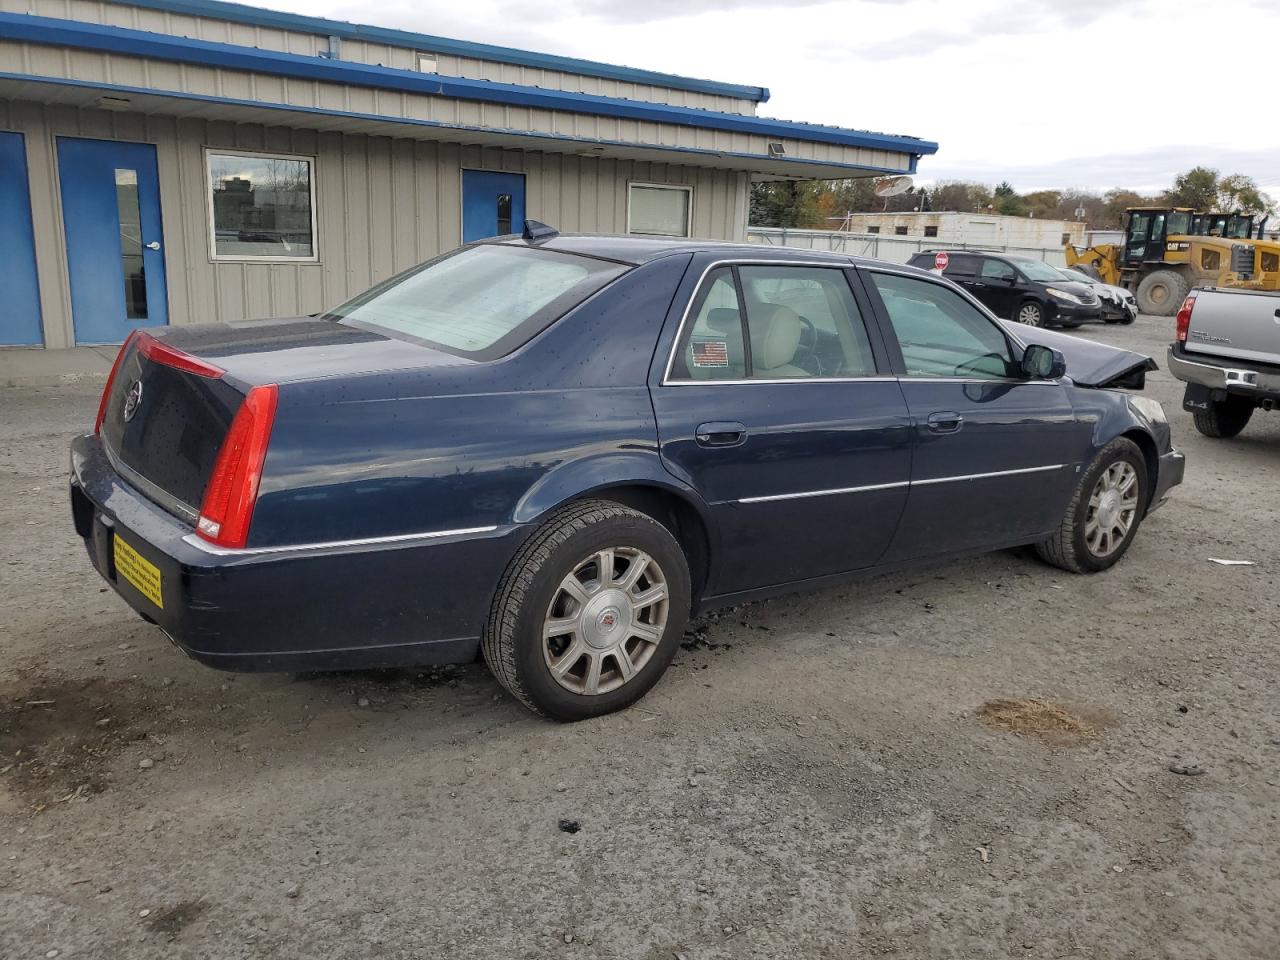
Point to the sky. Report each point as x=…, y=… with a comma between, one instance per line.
x=1042, y=93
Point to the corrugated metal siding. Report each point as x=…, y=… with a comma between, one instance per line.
x=383, y=204
x=162, y=76
x=358, y=51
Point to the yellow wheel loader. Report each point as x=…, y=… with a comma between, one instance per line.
x=1168, y=250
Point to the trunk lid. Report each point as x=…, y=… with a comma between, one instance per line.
x=175, y=391
x=1089, y=363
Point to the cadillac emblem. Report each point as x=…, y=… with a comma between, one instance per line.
x=132, y=400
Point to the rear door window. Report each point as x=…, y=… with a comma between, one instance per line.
x=713, y=346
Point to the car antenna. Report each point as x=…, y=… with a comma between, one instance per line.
x=535, y=231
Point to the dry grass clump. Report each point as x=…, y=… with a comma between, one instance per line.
x=1029, y=717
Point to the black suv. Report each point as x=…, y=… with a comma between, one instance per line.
x=1019, y=288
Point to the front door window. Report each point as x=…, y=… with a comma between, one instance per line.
x=941, y=334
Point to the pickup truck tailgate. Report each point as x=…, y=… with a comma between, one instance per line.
x=1236, y=324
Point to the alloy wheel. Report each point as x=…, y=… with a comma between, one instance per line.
x=1113, y=507
x=605, y=620
x=1030, y=315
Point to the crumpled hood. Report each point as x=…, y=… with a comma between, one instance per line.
x=1089, y=363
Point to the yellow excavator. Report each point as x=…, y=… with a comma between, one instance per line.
x=1168, y=250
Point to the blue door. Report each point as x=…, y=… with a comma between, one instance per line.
x=115, y=250
x=492, y=204
x=20, y=318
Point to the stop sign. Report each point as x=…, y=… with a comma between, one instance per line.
x=940, y=260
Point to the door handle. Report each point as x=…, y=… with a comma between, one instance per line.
x=720, y=433
x=153, y=245
x=945, y=421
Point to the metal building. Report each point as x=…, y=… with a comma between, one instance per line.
x=180, y=161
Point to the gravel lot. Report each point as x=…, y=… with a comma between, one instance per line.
x=815, y=777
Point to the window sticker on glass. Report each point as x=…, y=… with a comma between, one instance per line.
x=710, y=353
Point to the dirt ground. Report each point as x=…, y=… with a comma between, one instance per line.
x=850, y=773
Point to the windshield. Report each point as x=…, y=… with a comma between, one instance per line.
x=481, y=302
x=1038, y=270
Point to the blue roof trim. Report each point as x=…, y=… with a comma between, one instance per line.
x=256, y=16
x=692, y=152
x=105, y=39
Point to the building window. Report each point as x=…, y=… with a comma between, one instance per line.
x=261, y=207
x=873, y=229
x=900, y=231
x=1066, y=239
x=658, y=210
x=930, y=231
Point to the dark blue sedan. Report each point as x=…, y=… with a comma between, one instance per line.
x=549, y=450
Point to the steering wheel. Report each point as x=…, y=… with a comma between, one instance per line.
x=962, y=368
x=808, y=344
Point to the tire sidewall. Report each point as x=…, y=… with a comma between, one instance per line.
x=1039, y=324
x=1119, y=449
x=627, y=531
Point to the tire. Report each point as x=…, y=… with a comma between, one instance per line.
x=1224, y=418
x=1029, y=313
x=1161, y=292
x=1070, y=547
x=532, y=596
x=1128, y=318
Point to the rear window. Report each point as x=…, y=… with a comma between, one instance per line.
x=481, y=302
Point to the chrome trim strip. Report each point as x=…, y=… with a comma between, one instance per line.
x=891, y=486
x=218, y=551
x=825, y=493
x=984, y=476
x=729, y=383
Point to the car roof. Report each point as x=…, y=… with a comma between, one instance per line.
x=637, y=249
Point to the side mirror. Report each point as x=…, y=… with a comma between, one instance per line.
x=1043, y=363
x=1011, y=279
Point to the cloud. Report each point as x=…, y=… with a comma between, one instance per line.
x=1147, y=171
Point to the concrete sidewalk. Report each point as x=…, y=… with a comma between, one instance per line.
x=33, y=367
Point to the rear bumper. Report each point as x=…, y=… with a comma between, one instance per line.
x=335, y=606
x=1238, y=377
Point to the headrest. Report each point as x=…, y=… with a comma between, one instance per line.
x=724, y=320
x=774, y=341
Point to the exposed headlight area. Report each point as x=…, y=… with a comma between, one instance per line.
x=1149, y=408
x=1063, y=295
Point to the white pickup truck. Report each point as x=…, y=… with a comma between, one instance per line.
x=1228, y=352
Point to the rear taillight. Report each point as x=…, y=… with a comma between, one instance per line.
x=111, y=381
x=157, y=351
x=233, y=486
x=1184, y=317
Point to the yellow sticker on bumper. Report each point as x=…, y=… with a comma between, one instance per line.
x=138, y=571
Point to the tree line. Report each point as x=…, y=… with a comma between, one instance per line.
x=823, y=204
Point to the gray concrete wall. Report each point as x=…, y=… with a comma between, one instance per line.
x=383, y=204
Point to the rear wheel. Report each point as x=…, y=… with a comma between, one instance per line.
x=1224, y=418
x=590, y=611
x=1161, y=292
x=1031, y=314
x=1104, y=514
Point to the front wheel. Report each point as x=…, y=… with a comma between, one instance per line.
x=1031, y=314
x=1224, y=418
x=1104, y=513
x=589, y=612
